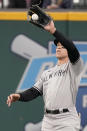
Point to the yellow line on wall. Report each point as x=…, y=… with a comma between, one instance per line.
x=13, y=16
x=63, y=16
x=70, y=16
x=77, y=16
x=58, y=15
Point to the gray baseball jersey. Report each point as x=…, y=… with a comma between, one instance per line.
x=59, y=86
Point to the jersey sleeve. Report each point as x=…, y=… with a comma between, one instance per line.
x=77, y=67
x=29, y=94
x=73, y=53
x=39, y=84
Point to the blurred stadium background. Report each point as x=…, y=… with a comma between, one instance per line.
x=17, y=57
x=76, y=4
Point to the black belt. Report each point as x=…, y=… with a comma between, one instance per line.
x=57, y=111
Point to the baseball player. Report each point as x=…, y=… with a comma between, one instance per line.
x=58, y=86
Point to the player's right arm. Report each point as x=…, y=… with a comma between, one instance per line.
x=24, y=96
x=29, y=94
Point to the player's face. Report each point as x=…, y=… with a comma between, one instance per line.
x=61, y=52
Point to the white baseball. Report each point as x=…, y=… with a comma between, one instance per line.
x=35, y=17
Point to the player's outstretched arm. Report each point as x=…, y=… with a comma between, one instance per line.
x=50, y=27
x=12, y=98
x=68, y=44
x=24, y=96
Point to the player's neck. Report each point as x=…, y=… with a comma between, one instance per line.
x=62, y=61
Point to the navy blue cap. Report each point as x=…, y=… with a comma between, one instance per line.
x=56, y=42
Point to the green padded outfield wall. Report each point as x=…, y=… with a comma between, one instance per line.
x=13, y=66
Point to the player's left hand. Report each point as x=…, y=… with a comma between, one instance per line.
x=42, y=18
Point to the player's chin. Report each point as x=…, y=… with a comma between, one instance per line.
x=58, y=56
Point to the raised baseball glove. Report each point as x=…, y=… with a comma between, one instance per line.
x=43, y=18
